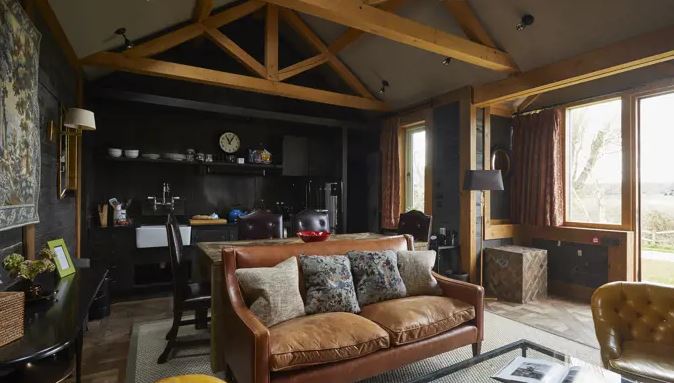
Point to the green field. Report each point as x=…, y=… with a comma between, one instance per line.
x=657, y=271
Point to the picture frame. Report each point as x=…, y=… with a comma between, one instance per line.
x=62, y=261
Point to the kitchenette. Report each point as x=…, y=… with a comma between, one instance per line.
x=208, y=168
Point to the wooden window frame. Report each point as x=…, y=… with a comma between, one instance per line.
x=416, y=120
x=628, y=162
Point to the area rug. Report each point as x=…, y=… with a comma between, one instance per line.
x=147, y=343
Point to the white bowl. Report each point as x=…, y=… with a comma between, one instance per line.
x=114, y=152
x=150, y=156
x=131, y=153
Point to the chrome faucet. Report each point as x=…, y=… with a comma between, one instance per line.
x=165, y=195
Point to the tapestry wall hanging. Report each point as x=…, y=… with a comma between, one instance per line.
x=19, y=117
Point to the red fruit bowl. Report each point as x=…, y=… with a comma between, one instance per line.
x=313, y=236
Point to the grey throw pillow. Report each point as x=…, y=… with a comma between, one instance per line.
x=272, y=293
x=416, y=271
x=376, y=276
x=328, y=284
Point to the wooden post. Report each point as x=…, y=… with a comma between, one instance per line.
x=29, y=241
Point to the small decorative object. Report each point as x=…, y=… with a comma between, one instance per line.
x=500, y=160
x=190, y=154
x=231, y=158
x=131, y=153
x=234, y=214
x=259, y=155
x=115, y=152
x=313, y=236
x=200, y=157
x=452, y=238
x=11, y=316
x=209, y=158
x=64, y=265
x=29, y=269
x=229, y=142
x=103, y=214
x=150, y=156
x=240, y=160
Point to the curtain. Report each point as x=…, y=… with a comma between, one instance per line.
x=537, y=196
x=390, y=174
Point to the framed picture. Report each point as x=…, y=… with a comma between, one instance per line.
x=64, y=265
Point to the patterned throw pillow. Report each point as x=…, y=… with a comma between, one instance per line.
x=272, y=293
x=329, y=284
x=415, y=269
x=376, y=276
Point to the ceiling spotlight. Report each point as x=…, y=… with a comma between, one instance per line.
x=384, y=85
x=446, y=61
x=128, y=44
x=526, y=21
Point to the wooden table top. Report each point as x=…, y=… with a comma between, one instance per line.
x=213, y=250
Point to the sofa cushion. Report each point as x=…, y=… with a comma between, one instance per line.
x=411, y=319
x=376, y=276
x=323, y=338
x=415, y=269
x=272, y=293
x=328, y=283
x=646, y=360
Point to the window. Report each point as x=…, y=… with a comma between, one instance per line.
x=415, y=168
x=594, y=163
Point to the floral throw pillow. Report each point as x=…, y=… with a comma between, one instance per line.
x=328, y=283
x=376, y=276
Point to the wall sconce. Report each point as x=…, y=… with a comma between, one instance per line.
x=79, y=120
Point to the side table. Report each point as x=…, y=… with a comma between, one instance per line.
x=515, y=273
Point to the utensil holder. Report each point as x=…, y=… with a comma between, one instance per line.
x=103, y=214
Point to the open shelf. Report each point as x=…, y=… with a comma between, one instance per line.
x=209, y=167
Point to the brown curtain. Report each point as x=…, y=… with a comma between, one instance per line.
x=537, y=196
x=390, y=174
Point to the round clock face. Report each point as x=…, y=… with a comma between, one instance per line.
x=229, y=142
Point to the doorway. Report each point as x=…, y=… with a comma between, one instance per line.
x=656, y=177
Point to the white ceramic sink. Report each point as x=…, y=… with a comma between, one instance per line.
x=155, y=236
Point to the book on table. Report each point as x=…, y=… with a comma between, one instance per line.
x=529, y=370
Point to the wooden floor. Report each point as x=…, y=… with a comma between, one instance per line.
x=106, y=345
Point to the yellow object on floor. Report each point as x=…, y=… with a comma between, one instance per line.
x=191, y=379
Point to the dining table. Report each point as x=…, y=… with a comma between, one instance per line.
x=210, y=262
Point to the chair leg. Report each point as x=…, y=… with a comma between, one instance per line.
x=229, y=376
x=170, y=337
x=477, y=347
x=201, y=318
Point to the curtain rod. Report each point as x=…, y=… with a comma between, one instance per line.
x=580, y=100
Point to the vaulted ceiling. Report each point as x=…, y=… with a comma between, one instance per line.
x=562, y=29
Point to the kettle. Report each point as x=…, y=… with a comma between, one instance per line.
x=235, y=214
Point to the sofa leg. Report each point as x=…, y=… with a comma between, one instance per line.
x=477, y=347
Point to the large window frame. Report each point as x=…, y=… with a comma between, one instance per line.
x=420, y=119
x=409, y=164
x=627, y=168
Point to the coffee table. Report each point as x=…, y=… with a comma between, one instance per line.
x=483, y=366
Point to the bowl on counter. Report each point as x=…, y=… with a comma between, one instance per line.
x=174, y=156
x=131, y=153
x=114, y=152
x=313, y=236
x=150, y=156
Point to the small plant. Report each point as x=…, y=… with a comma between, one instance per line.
x=29, y=269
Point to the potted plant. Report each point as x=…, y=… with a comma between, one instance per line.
x=28, y=269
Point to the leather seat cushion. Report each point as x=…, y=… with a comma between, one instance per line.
x=191, y=379
x=323, y=338
x=647, y=360
x=411, y=319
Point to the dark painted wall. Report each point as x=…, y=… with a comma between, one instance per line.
x=501, y=138
x=446, y=209
x=56, y=85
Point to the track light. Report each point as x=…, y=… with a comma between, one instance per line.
x=384, y=85
x=446, y=61
x=525, y=21
x=128, y=44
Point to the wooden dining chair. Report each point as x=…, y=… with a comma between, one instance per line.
x=312, y=220
x=260, y=224
x=186, y=296
x=415, y=223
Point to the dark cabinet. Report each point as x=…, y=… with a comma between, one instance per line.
x=311, y=156
x=113, y=249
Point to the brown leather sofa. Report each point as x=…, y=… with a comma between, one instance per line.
x=634, y=323
x=344, y=347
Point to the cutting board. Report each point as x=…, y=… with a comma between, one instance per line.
x=200, y=222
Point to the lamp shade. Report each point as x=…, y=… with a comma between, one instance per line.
x=80, y=118
x=483, y=180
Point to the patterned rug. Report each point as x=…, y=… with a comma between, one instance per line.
x=147, y=342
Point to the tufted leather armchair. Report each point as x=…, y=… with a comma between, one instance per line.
x=309, y=219
x=260, y=225
x=416, y=224
x=634, y=323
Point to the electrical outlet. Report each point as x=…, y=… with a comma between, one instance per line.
x=580, y=253
x=559, y=243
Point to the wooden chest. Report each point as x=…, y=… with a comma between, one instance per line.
x=515, y=273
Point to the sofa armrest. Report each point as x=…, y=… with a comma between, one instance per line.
x=465, y=292
x=607, y=323
x=247, y=339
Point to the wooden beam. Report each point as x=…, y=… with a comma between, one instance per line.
x=234, y=50
x=151, y=67
x=166, y=41
x=202, y=9
x=355, y=14
x=302, y=66
x=271, y=42
x=527, y=102
x=636, y=52
x=353, y=34
x=232, y=14
x=335, y=63
x=469, y=23
x=28, y=239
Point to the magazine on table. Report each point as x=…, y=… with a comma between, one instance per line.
x=529, y=370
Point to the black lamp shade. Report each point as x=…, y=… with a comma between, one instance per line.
x=483, y=180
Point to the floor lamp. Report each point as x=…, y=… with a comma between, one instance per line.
x=482, y=180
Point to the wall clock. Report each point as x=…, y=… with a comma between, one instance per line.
x=229, y=142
